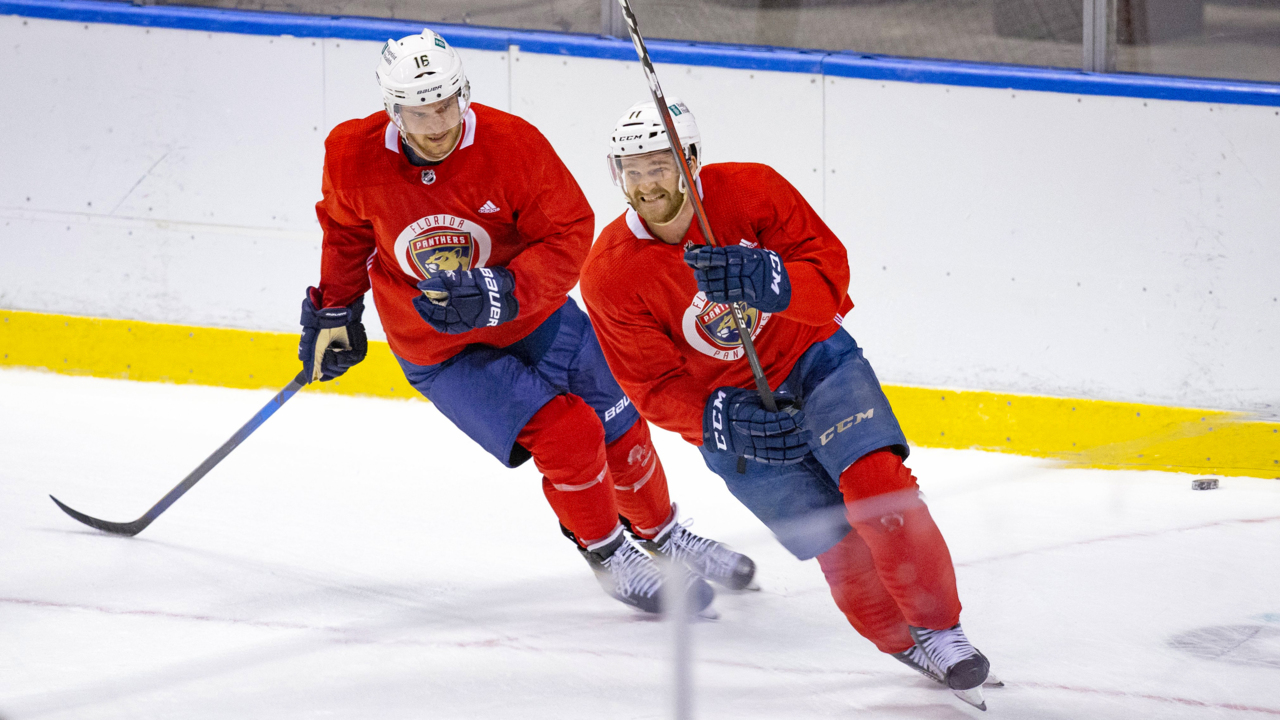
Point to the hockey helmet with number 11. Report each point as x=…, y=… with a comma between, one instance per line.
x=422, y=70
x=641, y=132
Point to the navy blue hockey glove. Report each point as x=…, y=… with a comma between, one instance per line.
x=333, y=339
x=455, y=302
x=735, y=422
x=739, y=274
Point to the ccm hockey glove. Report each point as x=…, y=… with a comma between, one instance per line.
x=333, y=339
x=735, y=422
x=455, y=302
x=739, y=274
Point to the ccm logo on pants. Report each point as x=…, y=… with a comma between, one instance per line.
x=845, y=424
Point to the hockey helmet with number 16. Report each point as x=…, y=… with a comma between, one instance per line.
x=640, y=131
x=422, y=70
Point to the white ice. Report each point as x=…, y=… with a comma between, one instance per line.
x=361, y=558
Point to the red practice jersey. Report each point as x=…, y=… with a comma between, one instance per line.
x=667, y=345
x=502, y=198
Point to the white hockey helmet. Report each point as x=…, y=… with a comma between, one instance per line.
x=640, y=131
x=421, y=70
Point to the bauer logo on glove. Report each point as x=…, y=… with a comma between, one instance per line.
x=456, y=302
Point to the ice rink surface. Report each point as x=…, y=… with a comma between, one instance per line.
x=361, y=558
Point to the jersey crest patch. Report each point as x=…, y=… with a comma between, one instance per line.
x=708, y=328
x=437, y=243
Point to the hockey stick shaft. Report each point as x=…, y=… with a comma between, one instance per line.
x=660, y=100
x=137, y=526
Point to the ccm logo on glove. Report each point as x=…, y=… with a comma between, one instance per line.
x=734, y=421
x=741, y=274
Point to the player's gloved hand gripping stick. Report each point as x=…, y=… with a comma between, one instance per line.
x=733, y=274
x=734, y=422
x=455, y=302
x=660, y=101
x=333, y=340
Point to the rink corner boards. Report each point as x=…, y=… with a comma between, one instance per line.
x=1076, y=432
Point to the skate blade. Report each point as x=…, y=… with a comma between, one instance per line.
x=973, y=696
x=708, y=613
x=992, y=681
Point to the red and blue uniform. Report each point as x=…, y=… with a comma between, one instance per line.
x=851, y=502
x=535, y=386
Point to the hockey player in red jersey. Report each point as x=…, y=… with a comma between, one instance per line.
x=826, y=473
x=470, y=232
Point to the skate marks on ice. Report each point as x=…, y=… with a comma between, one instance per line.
x=1256, y=645
x=288, y=589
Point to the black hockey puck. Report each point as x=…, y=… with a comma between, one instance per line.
x=1205, y=484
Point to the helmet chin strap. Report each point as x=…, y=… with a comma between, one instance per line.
x=684, y=200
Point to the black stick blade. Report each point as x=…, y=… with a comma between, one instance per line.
x=128, y=529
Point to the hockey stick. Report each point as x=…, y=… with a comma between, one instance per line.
x=133, y=528
x=739, y=309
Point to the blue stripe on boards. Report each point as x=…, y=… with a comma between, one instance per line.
x=1016, y=77
x=742, y=57
x=842, y=64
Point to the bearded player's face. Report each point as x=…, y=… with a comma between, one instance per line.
x=652, y=184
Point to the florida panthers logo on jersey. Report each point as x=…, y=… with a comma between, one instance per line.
x=708, y=328
x=437, y=243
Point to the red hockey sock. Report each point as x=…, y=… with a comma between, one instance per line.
x=567, y=443
x=639, y=482
x=912, y=559
x=858, y=592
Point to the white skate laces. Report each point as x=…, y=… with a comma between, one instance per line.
x=706, y=557
x=959, y=664
x=630, y=575
x=633, y=573
x=916, y=659
x=944, y=648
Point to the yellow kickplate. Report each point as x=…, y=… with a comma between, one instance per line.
x=154, y=352
x=1081, y=433
x=1091, y=433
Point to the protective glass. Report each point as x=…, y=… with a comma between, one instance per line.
x=631, y=171
x=434, y=119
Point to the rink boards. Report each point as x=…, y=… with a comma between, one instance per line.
x=1080, y=433
x=1033, y=234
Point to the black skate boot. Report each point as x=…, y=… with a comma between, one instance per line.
x=630, y=575
x=962, y=667
x=707, y=558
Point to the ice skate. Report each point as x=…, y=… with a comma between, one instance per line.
x=956, y=660
x=707, y=558
x=916, y=659
x=631, y=576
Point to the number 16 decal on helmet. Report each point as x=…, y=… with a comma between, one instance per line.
x=425, y=92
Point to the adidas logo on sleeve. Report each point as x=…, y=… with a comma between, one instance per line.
x=489, y=207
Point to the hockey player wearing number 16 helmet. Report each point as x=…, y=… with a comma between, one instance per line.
x=641, y=162
x=426, y=92
x=470, y=232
